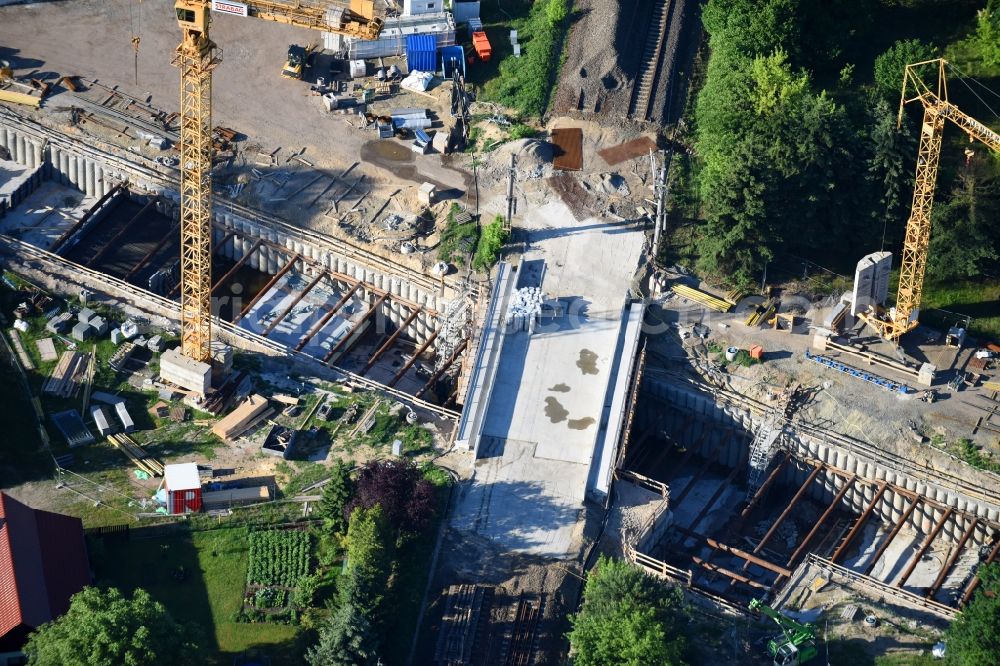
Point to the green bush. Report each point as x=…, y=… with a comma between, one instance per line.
x=492, y=241
x=457, y=240
x=525, y=83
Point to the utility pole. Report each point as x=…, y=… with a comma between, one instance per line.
x=511, y=203
x=660, y=187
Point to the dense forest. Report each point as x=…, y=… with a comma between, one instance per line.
x=794, y=149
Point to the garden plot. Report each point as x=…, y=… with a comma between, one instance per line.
x=279, y=564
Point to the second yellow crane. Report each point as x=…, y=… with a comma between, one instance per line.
x=916, y=245
x=197, y=57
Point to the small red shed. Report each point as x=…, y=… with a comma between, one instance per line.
x=183, y=488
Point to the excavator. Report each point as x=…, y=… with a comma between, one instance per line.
x=197, y=57
x=933, y=97
x=797, y=642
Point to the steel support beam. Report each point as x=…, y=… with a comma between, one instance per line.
x=819, y=523
x=295, y=301
x=859, y=523
x=697, y=475
x=673, y=444
x=113, y=242
x=749, y=557
x=391, y=341
x=764, y=486
x=788, y=509
x=444, y=368
x=413, y=359
x=266, y=288
x=915, y=560
x=326, y=317
x=974, y=583
x=892, y=535
x=216, y=248
x=340, y=343
x=170, y=235
x=715, y=496
x=239, y=263
x=932, y=590
x=715, y=568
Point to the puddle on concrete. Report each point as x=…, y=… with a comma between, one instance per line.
x=587, y=362
x=560, y=388
x=580, y=424
x=555, y=411
x=386, y=149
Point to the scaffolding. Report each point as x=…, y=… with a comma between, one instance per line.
x=762, y=449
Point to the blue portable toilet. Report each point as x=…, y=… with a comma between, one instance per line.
x=421, y=53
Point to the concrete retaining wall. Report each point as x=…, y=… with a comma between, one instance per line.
x=725, y=432
x=95, y=173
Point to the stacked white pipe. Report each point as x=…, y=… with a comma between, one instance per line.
x=525, y=307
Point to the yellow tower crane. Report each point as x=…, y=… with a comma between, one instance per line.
x=916, y=245
x=197, y=57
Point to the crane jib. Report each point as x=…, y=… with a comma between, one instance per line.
x=235, y=8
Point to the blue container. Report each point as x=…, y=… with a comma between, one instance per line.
x=421, y=53
x=450, y=55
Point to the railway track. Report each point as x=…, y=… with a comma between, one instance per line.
x=644, y=91
x=523, y=640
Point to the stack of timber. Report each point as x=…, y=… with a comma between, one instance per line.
x=136, y=454
x=762, y=312
x=735, y=296
x=253, y=410
x=15, y=338
x=67, y=374
x=702, y=298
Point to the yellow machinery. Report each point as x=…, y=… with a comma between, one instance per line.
x=197, y=57
x=916, y=245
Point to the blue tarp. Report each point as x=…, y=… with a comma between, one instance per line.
x=421, y=53
x=449, y=55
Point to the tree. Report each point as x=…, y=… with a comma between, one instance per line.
x=349, y=638
x=408, y=500
x=890, y=172
x=988, y=33
x=973, y=639
x=106, y=628
x=774, y=151
x=490, y=243
x=627, y=619
x=346, y=639
x=336, y=494
x=556, y=11
x=889, y=66
x=962, y=235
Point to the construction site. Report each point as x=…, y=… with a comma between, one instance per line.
x=278, y=270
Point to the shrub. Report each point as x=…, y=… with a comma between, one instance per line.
x=492, y=241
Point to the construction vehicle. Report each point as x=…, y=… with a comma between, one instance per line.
x=197, y=57
x=797, y=643
x=296, y=60
x=916, y=245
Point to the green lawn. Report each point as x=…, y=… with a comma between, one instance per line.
x=215, y=562
x=978, y=299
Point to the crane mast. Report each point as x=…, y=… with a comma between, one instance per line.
x=916, y=244
x=197, y=56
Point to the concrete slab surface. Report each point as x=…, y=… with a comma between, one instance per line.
x=46, y=214
x=541, y=424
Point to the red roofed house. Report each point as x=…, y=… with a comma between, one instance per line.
x=43, y=562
